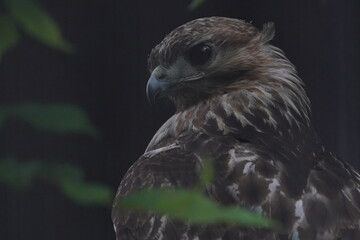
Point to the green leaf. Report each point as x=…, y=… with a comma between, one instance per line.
x=69, y=179
x=8, y=34
x=61, y=118
x=186, y=205
x=18, y=175
x=195, y=4
x=61, y=172
x=38, y=23
x=87, y=194
x=207, y=172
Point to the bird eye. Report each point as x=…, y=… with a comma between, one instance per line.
x=199, y=54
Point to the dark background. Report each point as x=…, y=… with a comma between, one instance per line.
x=107, y=77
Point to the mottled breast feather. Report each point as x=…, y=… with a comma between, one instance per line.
x=258, y=131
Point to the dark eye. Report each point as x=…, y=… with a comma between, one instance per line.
x=199, y=54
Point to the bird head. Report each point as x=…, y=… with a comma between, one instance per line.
x=206, y=56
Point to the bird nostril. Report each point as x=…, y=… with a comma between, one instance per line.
x=161, y=76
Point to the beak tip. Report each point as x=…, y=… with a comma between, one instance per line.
x=153, y=89
x=150, y=92
x=151, y=99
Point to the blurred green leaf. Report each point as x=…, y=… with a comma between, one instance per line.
x=207, y=172
x=195, y=4
x=187, y=205
x=87, y=194
x=69, y=179
x=61, y=118
x=8, y=34
x=18, y=175
x=61, y=172
x=38, y=23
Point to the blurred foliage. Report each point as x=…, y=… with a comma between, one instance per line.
x=69, y=179
x=207, y=172
x=8, y=33
x=192, y=206
x=59, y=118
x=195, y=4
x=32, y=19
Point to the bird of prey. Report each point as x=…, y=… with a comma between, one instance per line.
x=240, y=101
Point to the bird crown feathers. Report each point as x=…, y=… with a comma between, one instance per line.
x=267, y=32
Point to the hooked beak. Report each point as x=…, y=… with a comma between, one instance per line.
x=161, y=80
x=155, y=87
